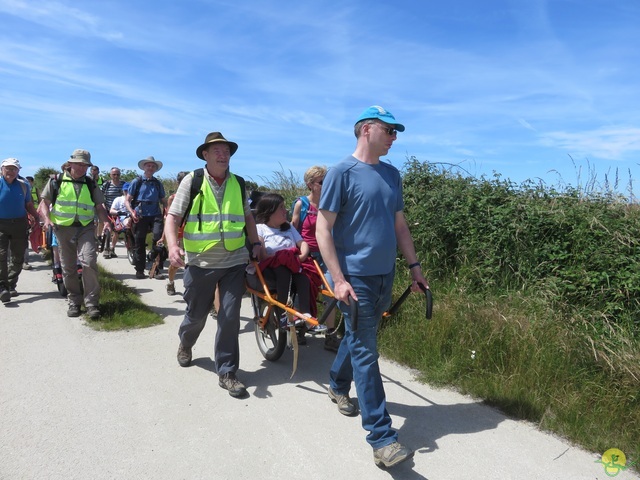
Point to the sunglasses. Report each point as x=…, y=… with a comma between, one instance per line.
x=390, y=130
x=115, y=174
x=319, y=182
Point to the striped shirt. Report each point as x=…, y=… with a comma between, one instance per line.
x=217, y=256
x=111, y=192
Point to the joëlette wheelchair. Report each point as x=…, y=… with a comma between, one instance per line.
x=273, y=339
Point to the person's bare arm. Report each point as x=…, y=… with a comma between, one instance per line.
x=295, y=217
x=405, y=244
x=176, y=254
x=324, y=226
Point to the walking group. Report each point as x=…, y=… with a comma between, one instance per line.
x=352, y=222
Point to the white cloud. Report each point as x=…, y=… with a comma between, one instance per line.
x=60, y=17
x=610, y=143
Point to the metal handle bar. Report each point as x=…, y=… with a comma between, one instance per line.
x=428, y=301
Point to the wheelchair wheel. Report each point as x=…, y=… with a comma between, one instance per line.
x=128, y=243
x=61, y=288
x=271, y=340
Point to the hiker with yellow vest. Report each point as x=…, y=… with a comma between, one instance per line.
x=218, y=221
x=69, y=202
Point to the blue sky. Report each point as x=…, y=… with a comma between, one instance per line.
x=530, y=89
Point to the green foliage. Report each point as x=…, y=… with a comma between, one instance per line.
x=41, y=177
x=493, y=234
x=287, y=184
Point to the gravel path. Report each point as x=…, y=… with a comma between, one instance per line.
x=81, y=404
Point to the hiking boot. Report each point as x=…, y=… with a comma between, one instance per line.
x=391, y=455
x=345, y=405
x=171, y=288
x=26, y=266
x=93, y=313
x=229, y=382
x=301, y=337
x=106, y=254
x=113, y=254
x=74, y=310
x=13, y=292
x=5, y=296
x=332, y=342
x=184, y=355
x=140, y=275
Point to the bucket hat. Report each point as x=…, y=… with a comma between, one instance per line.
x=215, y=137
x=147, y=160
x=378, y=113
x=80, y=156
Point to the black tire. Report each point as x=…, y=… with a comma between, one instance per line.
x=272, y=340
x=61, y=288
x=129, y=243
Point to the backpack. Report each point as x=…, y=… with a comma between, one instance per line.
x=134, y=189
x=304, y=208
x=23, y=184
x=196, y=184
x=55, y=186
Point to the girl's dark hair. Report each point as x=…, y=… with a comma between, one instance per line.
x=267, y=206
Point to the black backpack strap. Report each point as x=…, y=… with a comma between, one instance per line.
x=196, y=184
x=55, y=187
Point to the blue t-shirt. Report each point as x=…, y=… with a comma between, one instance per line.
x=147, y=194
x=365, y=198
x=14, y=198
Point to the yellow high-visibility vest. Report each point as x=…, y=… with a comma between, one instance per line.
x=68, y=204
x=207, y=224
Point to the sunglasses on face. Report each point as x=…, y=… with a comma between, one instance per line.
x=389, y=130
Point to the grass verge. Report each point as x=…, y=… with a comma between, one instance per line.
x=519, y=355
x=121, y=307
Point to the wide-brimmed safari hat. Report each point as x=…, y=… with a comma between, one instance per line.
x=378, y=113
x=11, y=162
x=80, y=156
x=215, y=137
x=147, y=160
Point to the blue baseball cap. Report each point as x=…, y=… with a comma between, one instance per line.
x=378, y=113
x=125, y=187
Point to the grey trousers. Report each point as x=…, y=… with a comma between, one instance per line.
x=78, y=244
x=199, y=290
x=13, y=241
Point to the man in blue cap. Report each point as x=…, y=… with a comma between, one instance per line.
x=359, y=226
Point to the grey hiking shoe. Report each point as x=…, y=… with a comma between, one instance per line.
x=171, y=288
x=93, y=313
x=229, y=382
x=345, y=405
x=184, y=355
x=74, y=310
x=5, y=295
x=390, y=455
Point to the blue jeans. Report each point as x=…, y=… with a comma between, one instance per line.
x=357, y=357
x=199, y=290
